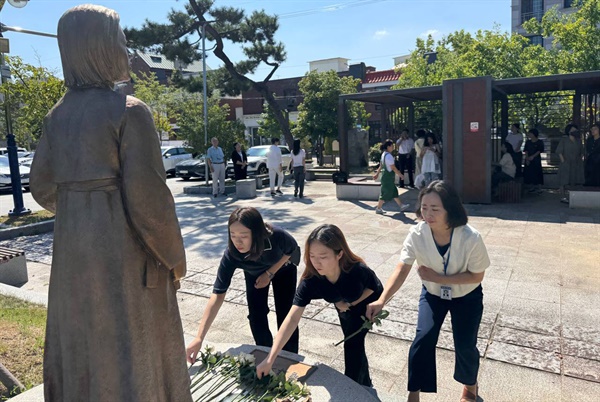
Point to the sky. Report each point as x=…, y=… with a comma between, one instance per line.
x=370, y=31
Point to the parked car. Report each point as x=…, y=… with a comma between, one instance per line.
x=5, y=181
x=191, y=168
x=4, y=150
x=173, y=155
x=257, y=160
x=25, y=158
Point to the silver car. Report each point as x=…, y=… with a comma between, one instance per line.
x=257, y=160
x=5, y=181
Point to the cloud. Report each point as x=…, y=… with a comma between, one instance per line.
x=433, y=32
x=380, y=34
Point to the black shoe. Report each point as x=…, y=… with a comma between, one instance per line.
x=273, y=194
x=278, y=192
x=214, y=195
x=301, y=195
x=295, y=194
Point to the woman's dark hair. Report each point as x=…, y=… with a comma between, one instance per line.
x=421, y=133
x=385, y=144
x=430, y=135
x=534, y=131
x=509, y=148
x=517, y=125
x=296, y=147
x=597, y=125
x=261, y=231
x=331, y=237
x=235, y=144
x=274, y=140
x=457, y=216
x=569, y=127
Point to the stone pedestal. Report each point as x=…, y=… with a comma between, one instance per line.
x=13, y=268
x=245, y=188
x=358, y=152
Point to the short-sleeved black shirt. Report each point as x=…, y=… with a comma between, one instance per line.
x=349, y=287
x=280, y=243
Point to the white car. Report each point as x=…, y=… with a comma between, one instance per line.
x=5, y=181
x=173, y=155
x=4, y=150
x=257, y=160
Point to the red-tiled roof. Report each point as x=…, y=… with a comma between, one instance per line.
x=381, y=76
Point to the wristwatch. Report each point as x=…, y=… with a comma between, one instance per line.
x=271, y=275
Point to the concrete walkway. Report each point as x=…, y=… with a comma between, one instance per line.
x=540, y=335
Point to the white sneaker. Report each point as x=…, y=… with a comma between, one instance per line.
x=404, y=207
x=379, y=211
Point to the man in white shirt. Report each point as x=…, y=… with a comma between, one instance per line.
x=515, y=138
x=275, y=166
x=405, y=146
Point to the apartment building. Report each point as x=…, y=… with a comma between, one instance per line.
x=524, y=10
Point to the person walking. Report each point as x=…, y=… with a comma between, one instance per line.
x=570, y=152
x=405, y=146
x=337, y=275
x=387, y=169
x=533, y=175
x=216, y=163
x=275, y=166
x=299, y=167
x=240, y=162
x=451, y=258
x=267, y=255
x=515, y=138
x=431, y=153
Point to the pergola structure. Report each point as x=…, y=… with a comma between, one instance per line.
x=468, y=128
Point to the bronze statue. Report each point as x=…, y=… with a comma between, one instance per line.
x=114, y=332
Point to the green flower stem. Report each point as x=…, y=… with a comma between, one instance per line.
x=368, y=325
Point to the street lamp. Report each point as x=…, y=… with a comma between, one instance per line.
x=204, y=101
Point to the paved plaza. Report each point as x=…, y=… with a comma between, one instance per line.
x=540, y=334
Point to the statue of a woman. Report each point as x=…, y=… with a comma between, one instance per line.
x=114, y=332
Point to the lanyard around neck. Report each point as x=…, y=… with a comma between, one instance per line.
x=447, y=259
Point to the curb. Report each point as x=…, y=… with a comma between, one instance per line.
x=27, y=230
x=27, y=295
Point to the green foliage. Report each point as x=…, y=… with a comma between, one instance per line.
x=254, y=33
x=268, y=126
x=576, y=35
x=31, y=94
x=164, y=101
x=375, y=153
x=191, y=124
x=318, y=115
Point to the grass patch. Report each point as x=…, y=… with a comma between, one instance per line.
x=34, y=217
x=22, y=332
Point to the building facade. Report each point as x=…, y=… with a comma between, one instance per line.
x=524, y=10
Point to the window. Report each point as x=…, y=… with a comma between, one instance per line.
x=536, y=40
x=568, y=3
x=284, y=150
x=532, y=9
x=156, y=59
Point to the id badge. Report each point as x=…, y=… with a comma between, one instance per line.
x=446, y=292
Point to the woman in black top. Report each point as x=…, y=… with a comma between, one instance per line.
x=263, y=252
x=336, y=274
x=240, y=162
x=532, y=173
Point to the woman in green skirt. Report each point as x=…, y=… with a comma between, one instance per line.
x=388, y=170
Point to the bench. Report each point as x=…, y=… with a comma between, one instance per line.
x=319, y=173
x=358, y=188
x=584, y=197
x=13, y=267
x=510, y=191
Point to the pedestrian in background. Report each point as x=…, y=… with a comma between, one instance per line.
x=451, y=259
x=299, y=168
x=405, y=146
x=240, y=162
x=388, y=169
x=533, y=175
x=431, y=153
x=592, y=162
x=419, y=144
x=275, y=166
x=570, y=152
x=216, y=163
x=515, y=138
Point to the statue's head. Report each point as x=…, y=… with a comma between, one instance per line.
x=92, y=47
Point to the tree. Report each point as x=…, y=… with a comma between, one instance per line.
x=268, y=126
x=162, y=100
x=255, y=33
x=576, y=35
x=191, y=124
x=318, y=115
x=31, y=94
